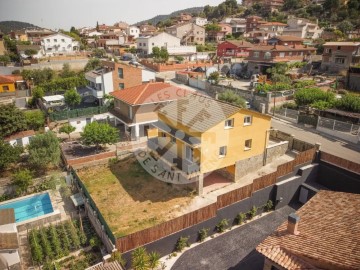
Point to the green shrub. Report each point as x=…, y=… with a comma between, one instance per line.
x=221, y=226
x=349, y=102
x=182, y=243
x=302, y=84
x=308, y=96
x=252, y=212
x=203, y=233
x=269, y=205
x=322, y=105
x=240, y=218
x=273, y=87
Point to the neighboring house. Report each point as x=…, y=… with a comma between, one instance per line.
x=252, y=23
x=145, y=44
x=21, y=138
x=285, y=40
x=133, y=32
x=147, y=29
x=272, y=5
x=338, y=56
x=200, y=21
x=259, y=36
x=302, y=28
x=273, y=28
x=184, y=17
x=238, y=25
x=19, y=35
x=80, y=122
x=200, y=135
x=323, y=234
x=36, y=35
x=218, y=36
x=226, y=28
x=114, y=76
x=261, y=57
x=94, y=33
x=136, y=107
x=59, y=44
x=11, y=83
x=112, y=41
x=189, y=33
x=23, y=49
x=234, y=48
x=9, y=242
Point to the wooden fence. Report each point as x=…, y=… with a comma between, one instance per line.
x=338, y=161
x=131, y=241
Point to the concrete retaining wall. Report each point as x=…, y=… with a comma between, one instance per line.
x=276, y=150
x=243, y=167
x=342, y=135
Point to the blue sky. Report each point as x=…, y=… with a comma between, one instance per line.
x=66, y=13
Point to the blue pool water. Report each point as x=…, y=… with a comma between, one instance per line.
x=31, y=207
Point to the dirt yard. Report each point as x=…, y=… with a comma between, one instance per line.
x=130, y=199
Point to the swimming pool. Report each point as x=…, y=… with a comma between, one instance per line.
x=30, y=207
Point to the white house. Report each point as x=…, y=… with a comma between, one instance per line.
x=302, y=28
x=133, y=31
x=21, y=138
x=199, y=21
x=53, y=101
x=145, y=44
x=94, y=34
x=59, y=44
x=9, y=242
x=80, y=122
x=100, y=82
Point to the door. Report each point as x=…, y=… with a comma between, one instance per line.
x=303, y=198
x=188, y=153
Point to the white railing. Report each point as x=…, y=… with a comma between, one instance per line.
x=340, y=126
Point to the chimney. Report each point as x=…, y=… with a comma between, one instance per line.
x=293, y=222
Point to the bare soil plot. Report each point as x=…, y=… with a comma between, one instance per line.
x=130, y=199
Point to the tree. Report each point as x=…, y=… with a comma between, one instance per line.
x=345, y=26
x=214, y=77
x=67, y=128
x=93, y=63
x=99, y=134
x=66, y=71
x=9, y=153
x=5, y=59
x=30, y=52
x=12, y=120
x=231, y=97
x=99, y=53
x=72, y=98
x=212, y=27
x=35, y=119
x=160, y=54
x=44, y=150
x=22, y=179
x=309, y=96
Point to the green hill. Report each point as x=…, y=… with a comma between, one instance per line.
x=8, y=26
x=159, y=18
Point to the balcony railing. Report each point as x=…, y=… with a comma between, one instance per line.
x=184, y=165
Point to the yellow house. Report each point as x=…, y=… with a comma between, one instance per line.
x=202, y=135
x=7, y=84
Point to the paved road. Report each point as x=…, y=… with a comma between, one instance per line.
x=235, y=249
x=329, y=143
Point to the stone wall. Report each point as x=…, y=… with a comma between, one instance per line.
x=243, y=167
x=276, y=150
x=282, y=136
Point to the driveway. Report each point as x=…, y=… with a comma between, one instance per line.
x=235, y=249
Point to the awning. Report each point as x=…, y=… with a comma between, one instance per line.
x=77, y=199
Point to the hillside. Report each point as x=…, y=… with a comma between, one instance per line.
x=159, y=18
x=8, y=26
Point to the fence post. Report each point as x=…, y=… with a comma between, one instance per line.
x=351, y=128
x=334, y=125
x=285, y=112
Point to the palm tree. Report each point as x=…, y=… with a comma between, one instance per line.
x=140, y=259
x=154, y=260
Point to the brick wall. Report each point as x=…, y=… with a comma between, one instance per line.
x=132, y=76
x=160, y=67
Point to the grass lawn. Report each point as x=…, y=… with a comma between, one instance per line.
x=130, y=199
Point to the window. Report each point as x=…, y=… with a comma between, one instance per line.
x=62, y=40
x=153, y=43
x=163, y=135
x=229, y=123
x=247, y=120
x=222, y=151
x=188, y=153
x=290, y=53
x=19, y=142
x=55, y=40
x=121, y=73
x=48, y=40
x=256, y=54
x=267, y=55
x=338, y=48
x=248, y=144
x=121, y=86
x=5, y=88
x=282, y=54
x=339, y=60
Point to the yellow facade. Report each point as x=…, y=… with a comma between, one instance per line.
x=233, y=138
x=7, y=87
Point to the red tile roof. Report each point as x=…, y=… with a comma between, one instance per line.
x=10, y=78
x=329, y=236
x=281, y=48
x=288, y=38
x=273, y=23
x=150, y=93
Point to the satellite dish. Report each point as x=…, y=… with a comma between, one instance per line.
x=211, y=70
